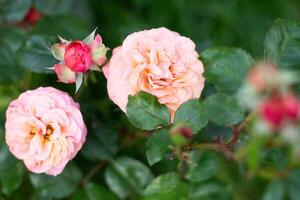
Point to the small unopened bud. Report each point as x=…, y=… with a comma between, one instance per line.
x=180, y=135
x=186, y=132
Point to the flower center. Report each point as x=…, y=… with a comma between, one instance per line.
x=33, y=130
x=49, y=131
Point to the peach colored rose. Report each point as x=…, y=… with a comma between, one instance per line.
x=45, y=129
x=157, y=61
x=78, y=56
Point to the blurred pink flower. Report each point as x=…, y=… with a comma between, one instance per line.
x=45, y=129
x=279, y=108
x=262, y=76
x=157, y=61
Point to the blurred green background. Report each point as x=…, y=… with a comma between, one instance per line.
x=24, y=57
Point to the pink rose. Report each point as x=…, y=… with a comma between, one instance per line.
x=157, y=61
x=45, y=129
x=78, y=56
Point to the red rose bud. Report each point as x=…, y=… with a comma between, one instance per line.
x=261, y=76
x=32, y=16
x=78, y=56
x=186, y=132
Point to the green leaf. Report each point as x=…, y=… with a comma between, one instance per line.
x=100, y=144
x=54, y=7
x=212, y=190
x=10, y=69
x=144, y=111
x=127, y=177
x=282, y=44
x=294, y=185
x=36, y=56
x=11, y=170
x=205, y=168
x=274, y=191
x=167, y=187
x=223, y=109
x=157, y=146
x=69, y=27
x=60, y=186
x=93, y=192
x=14, y=10
x=10, y=41
x=12, y=38
x=226, y=68
x=191, y=114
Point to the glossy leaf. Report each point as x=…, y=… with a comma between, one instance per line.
x=204, y=168
x=144, y=111
x=11, y=170
x=93, y=192
x=282, y=44
x=157, y=146
x=127, y=177
x=60, y=186
x=167, y=187
x=54, y=7
x=223, y=109
x=100, y=144
x=14, y=10
x=226, y=68
x=36, y=55
x=191, y=114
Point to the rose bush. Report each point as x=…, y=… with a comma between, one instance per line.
x=167, y=114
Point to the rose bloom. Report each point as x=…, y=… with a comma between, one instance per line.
x=78, y=56
x=157, y=61
x=45, y=129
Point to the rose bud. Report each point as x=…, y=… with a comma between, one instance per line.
x=262, y=76
x=180, y=135
x=98, y=50
x=272, y=111
x=78, y=56
x=186, y=132
x=64, y=73
x=32, y=16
